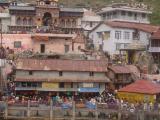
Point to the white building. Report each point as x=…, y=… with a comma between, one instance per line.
x=125, y=12
x=112, y=36
x=5, y=21
x=90, y=20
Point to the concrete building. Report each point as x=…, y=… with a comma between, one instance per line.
x=90, y=20
x=125, y=12
x=112, y=36
x=45, y=43
x=5, y=21
x=57, y=43
x=120, y=75
x=60, y=76
x=154, y=47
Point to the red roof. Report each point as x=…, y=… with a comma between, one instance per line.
x=119, y=69
x=130, y=25
x=156, y=35
x=142, y=86
x=140, y=26
x=62, y=65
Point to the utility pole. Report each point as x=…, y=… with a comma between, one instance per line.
x=1, y=50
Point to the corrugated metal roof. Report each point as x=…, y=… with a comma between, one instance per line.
x=62, y=65
x=142, y=86
x=72, y=9
x=21, y=8
x=118, y=69
x=130, y=25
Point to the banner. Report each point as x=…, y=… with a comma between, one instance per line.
x=50, y=85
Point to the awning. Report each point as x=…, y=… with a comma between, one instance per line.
x=88, y=90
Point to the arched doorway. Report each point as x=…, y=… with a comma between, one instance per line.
x=47, y=19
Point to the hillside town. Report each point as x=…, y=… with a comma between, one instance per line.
x=79, y=58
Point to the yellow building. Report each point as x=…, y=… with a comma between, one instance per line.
x=140, y=91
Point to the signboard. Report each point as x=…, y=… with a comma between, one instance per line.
x=88, y=90
x=50, y=85
x=88, y=85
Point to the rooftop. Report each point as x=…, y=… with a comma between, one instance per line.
x=156, y=35
x=72, y=9
x=140, y=8
x=62, y=65
x=130, y=25
x=22, y=8
x=142, y=87
x=119, y=69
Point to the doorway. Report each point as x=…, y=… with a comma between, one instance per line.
x=47, y=19
x=42, y=48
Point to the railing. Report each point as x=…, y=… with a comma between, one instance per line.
x=78, y=110
x=154, y=49
x=46, y=89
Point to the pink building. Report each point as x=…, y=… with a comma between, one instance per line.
x=44, y=42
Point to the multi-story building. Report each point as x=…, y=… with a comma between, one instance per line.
x=112, y=36
x=46, y=14
x=22, y=17
x=57, y=43
x=89, y=21
x=124, y=12
x=60, y=76
x=44, y=43
x=154, y=47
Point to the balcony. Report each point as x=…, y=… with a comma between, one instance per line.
x=154, y=49
x=46, y=89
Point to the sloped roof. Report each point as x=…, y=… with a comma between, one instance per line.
x=156, y=35
x=140, y=26
x=130, y=25
x=61, y=65
x=119, y=69
x=72, y=9
x=32, y=8
x=142, y=87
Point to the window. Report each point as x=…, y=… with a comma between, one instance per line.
x=136, y=35
x=79, y=47
x=129, y=14
x=42, y=48
x=99, y=34
x=143, y=15
x=114, y=14
x=118, y=46
x=126, y=35
x=17, y=44
x=24, y=84
x=30, y=72
x=91, y=74
x=118, y=35
x=60, y=73
x=91, y=24
x=66, y=47
x=135, y=16
x=123, y=13
x=61, y=85
x=106, y=35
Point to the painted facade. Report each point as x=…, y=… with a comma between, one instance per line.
x=113, y=38
x=125, y=12
x=57, y=78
